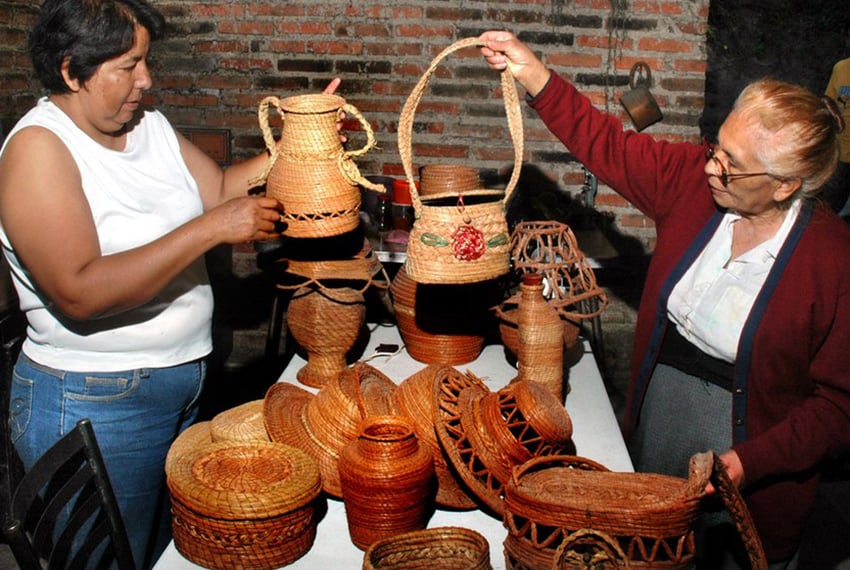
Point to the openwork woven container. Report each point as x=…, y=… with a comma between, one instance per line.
x=322, y=424
x=364, y=270
x=413, y=399
x=245, y=505
x=241, y=423
x=645, y=518
x=440, y=324
x=326, y=323
x=309, y=171
x=459, y=237
x=443, y=548
x=388, y=481
x=485, y=434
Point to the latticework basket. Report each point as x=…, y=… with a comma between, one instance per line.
x=323, y=424
x=364, y=270
x=241, y=423
x=443, y=548
x=459, y=238
x=309, y=171
x=649, y=518
x=245, y=505
x=413, y=399
x=485, y=434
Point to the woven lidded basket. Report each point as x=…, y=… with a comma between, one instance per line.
x=647, y=518
x=245, y=505
x=459, y=237
x=445, y=548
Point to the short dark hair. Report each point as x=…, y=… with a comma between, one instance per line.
x=88, y=32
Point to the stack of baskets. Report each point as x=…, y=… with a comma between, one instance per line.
x=246, y=504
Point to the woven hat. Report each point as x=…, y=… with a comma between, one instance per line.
x=485, y=434
x=413, y=399
x=240, y=423
x=250, y=504
x=324, y=423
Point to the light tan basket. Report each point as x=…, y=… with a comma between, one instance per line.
x=459, y=238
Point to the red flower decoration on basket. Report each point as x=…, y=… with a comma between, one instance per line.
x=468, y=243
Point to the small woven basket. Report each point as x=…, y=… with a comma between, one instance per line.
x=445, y=548
x=245, y=505
x=442, y=179
x=240, y=423
x=459, y=237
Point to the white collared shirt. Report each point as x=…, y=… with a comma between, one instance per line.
x=710, y=303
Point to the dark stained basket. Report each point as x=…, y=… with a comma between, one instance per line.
x=443, y=548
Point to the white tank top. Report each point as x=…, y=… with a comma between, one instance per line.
x=135, y=195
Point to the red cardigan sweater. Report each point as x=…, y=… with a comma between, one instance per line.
x=791, y=391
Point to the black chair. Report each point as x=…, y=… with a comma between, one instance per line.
x=68, y=484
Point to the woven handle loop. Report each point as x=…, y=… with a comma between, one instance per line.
x=512, y=108
x=597, y=548
x=346, y=166
x=547, y=461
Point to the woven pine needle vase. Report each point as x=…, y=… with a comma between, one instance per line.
x=459, y=237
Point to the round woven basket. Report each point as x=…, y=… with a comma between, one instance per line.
x=446, y=548
x=241, y=423
x=650, y=515
x=246, y=505
x=459, y=237
x=413, y=399
x=439, y=324
x=486, y=434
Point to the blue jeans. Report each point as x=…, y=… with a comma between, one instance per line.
x=136, y=415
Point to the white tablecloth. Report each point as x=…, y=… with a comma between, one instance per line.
x=596, y=435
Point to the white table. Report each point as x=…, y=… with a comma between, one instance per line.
x=596, y=435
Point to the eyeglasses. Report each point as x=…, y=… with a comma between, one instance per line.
x=725, y=177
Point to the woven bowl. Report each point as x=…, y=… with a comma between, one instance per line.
x=445, y=548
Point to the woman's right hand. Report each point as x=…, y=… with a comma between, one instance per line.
x=503, y=50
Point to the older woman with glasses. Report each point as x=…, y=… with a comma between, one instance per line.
x=744, y=324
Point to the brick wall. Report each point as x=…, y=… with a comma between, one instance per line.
x=224, y=56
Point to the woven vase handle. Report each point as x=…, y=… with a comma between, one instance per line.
x=734, y=503
x=512, y=108
x=346, y=165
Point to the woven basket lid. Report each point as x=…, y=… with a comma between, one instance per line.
x=413, y=399
x=192, y=438
x=244, y=480
x=489, y=433
x=241, y=423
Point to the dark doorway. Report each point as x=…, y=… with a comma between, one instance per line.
x=793, y=40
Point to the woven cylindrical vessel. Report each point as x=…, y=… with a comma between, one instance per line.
x=325, y=322
x=540, y=356
x=245, y=505
x=309, y=171
x=440, y=324
x=459, y=237
x=388, y=481
x=240, y=423
x=443, y=548
x=442, y=179
x=413, y=399
x=650, y=516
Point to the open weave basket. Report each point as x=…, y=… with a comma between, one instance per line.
x=647, y=518
x=443, y=548
x=459, y=238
